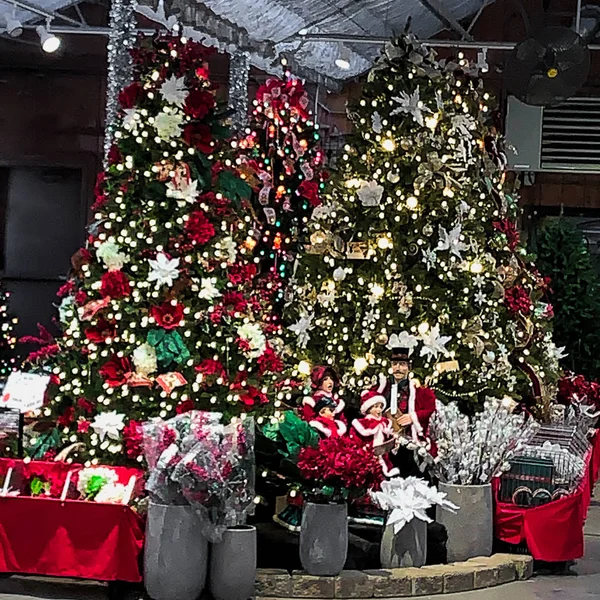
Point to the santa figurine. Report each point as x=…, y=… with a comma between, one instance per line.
x=325, y=422
x=324, y=382
x=411, y=407
x=376, y=429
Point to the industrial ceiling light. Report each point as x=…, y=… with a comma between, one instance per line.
x=14, y=27
x=50, y=43
x=343, y=60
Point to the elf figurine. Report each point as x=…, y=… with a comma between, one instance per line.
x=324, y=381
x=326, y=423
x=411, y=407
x=376, y=429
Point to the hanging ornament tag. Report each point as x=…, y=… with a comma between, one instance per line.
x=263, y=195
x=357, y=250
x=287, y=205
x=307, y=170
x=169, y=381
x=270, y=214
x=448, y=366
x=298, y=148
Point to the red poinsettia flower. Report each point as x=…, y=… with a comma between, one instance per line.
x=241, y=273
x=508, y=228
x=198, y=228
x=168, y=315
x=236, y=300
x=252, y=396
x=85, y=405
x=81, y=297
x=114, y=155
x=83, y=425
x=310, y=191
x=132, y=439
x=99, y=333
x=199, y=103
x=210, y=366
x=185, y=406
x=114, y=372
x=199, y=136
x=115, y=284
x=129, y=96
x=66, y=289
x=67, y=417
x=220, y=207
x=269, y=361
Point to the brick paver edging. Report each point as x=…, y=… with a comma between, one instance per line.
x=474, y=574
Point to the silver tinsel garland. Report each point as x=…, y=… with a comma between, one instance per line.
x=239, y=71
x=121, y=40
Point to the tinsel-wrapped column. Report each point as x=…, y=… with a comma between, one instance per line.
x=239, y=70
x=121, y=40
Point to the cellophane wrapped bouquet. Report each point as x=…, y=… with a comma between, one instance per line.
x=195, y=459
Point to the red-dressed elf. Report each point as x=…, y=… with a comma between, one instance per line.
x=376, y=429
x=324, y=382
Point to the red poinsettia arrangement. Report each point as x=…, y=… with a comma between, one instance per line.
x=508, y=228
x=576, y=389
x=339, y=469
x=517, y=300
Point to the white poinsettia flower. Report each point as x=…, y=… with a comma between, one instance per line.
x=434, y=343
x=163, y=270
x=208, y=290
x=254, y=336
x=173, y=91
x=112, y=493
x=411, y=104
x=451, y=240
x=402, y=340
x=183, y=190
x=111, y=255
x=227, y=249
x=168, y=125
x=144, y=359
x=129, y=120
x=369, y=193
x=108, y=424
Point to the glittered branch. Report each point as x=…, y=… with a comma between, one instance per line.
x=239, y=70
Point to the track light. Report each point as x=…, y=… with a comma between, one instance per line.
x=50, y=43
x=343, y=60
x=482, y=63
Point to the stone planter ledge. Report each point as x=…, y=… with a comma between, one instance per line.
x=474, y=574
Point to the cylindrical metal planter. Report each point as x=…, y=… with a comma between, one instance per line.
x=471, y=528
x=175, y=555
x=407, y=548
x=233, y=564
x=324, y=538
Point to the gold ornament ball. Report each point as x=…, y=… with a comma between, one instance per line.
x=382, y=339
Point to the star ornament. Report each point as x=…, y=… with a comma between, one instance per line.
x=163, y=270
x=434, y=344
x=173, y=91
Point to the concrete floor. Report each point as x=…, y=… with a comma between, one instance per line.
x=586, y=585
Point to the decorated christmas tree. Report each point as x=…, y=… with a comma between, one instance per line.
x=159, y=315
x=418, y=240
x=8, y=341
x=281, y=159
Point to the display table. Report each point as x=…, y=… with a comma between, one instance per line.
x=553, y=532
x=70, y=538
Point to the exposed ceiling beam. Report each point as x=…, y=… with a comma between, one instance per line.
x=446, y=17
x=42, y=12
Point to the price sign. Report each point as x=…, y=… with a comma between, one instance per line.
x=24, y=391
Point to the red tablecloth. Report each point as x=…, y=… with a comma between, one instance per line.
x=85, y=539
x=553, y=532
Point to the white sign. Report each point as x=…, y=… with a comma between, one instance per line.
x=24, y=391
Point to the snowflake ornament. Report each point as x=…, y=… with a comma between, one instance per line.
x=434, y=344
x=412, y=105
x=451, y=240
x=163, y=270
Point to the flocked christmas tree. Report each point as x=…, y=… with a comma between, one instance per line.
x=159, y=316
x=418, y=239
x=281, y=159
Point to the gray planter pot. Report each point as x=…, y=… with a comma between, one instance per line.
x=407, y=548
x=324, y=538
x=175, y=555
x=471, y=529
x=233, y=564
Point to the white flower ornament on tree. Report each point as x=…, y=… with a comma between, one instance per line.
x=108, y=424
x=173, y=91
x=254, y=336
x=163, y=270
x=370, y=193
x=451, y=241
x=208, y=290
x=168, y=125
x=144, y=359
x=403, y=340
x=412, y=105
x=302, y=328
x=434, y=344
x=111, y=256
x=181, y=189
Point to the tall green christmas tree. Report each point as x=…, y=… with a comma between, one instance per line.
x=281, y=159
x=418, y=240
x=160, y=315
